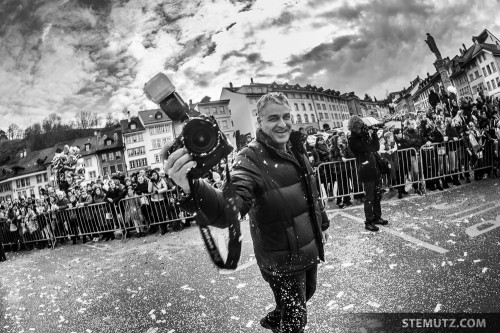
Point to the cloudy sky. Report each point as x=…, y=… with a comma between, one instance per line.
x=95, y=55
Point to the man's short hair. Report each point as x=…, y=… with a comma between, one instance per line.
x=272, y=97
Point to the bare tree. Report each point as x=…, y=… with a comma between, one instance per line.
x=33, y=130
x=86, y=119
x=51, y=123
x=110, y=121
x=12, y=131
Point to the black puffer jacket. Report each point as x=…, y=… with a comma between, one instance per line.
x=364, y=147
x=273, y=189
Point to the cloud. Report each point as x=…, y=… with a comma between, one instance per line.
x=69, y=55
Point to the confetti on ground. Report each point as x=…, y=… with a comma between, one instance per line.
x=241, y=285
x=374, y=304
x=484, y=270
x=347, y=264
x=460, y=259
x=392, y=254
x=235, y=318
x=437, y=308
x=477, y=260
x=249, y=324
x=340, y=294
x=329, y=304
x=465, y=254
x=269, y=306
x=419, y=271
x=151, y=312
x=350, y=306
x=443, y=263
x=392, y=266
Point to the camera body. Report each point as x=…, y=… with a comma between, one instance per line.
x=201, y=135
x=205, y=142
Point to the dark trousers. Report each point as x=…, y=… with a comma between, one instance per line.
x=373, y=196
x=291, y=292
x=2, y=253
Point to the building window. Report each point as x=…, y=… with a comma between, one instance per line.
x=157, y=158
x=223, y=124
x=324, y=107
x=92, y=174
x=112, y=169
x=111, y=156
x=206, y=110
x=318, y=106
x=498, y=81
x=156, y=143
x=310, y=107
x=296, y=106
x=493, y=84
x=134, y=138
x=477, y=74
x=306, y=118
x=493, y=67
x=221, y=110
x=489, y=69
x=45, y=177
x=87, y=162
x=299, y=119
x=105, y=171
x=87, y=147
x=38, y=179
x=489, y=86
x=118, y=154
x=135, y=151
x=104, y=157
x=138, y=163
x=320, y=116
x=303, y=107
x=292, y=119
x=313, y=120
x=119, y=167
x=484, y=71
x=107, y=142
x=326, y=115
x=214, y=110
x=133, y=126
x=160, y=129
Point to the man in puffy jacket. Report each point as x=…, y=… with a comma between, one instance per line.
x=275, y=185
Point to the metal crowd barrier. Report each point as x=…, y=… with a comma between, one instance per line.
x=446, y=159
x=339, y=179
x=141, y=212
x=89, y=220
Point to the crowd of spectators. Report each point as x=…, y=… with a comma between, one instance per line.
x=451, y=139
x=150, y=204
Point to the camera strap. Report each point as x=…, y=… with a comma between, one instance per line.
x=231, y=211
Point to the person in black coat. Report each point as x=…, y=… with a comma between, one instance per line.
x=275, y=185
x=364, y=143
x=434, y=99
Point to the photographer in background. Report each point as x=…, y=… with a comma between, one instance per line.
x=364, y=144
x=275, y=185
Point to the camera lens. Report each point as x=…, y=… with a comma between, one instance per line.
x=200, y=136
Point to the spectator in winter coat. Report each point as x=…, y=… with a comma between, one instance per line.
x=158, y=187
x=273, y=181
x=364, y=143
x=433, y=99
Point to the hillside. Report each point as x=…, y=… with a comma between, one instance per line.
x=10, y=149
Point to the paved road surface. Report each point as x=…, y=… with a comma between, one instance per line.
x=440, y=253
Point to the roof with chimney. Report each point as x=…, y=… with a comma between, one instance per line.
x=282, y=88
x=126, y=128
x=34, y=161
x=149, y=117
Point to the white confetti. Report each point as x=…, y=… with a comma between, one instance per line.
x=340, y=294
x=235, y=318
x=350, y=306
x=329, y=304
x=249, y=324
x=392, y=254
x=443, y=263
x=241, y=285
x=202, y=297
x=392, y=266
x=438, y=308
x=485, y=269
x=460, y=259
x=374, y=304
x=477, y=260
x=453, y=235
x=465, y=254
x=151, y=312
x=347, y=264
x=269, y=306
x=163, y=311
